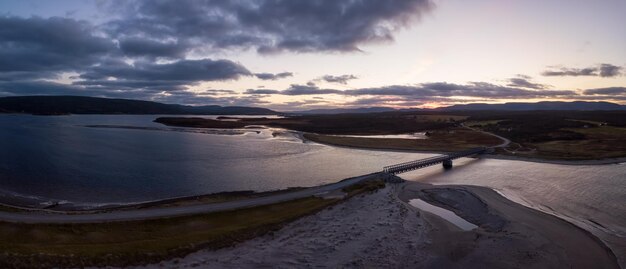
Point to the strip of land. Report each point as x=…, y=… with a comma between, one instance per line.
x=176, y=211
x=141, y=241
x=314, y=228
x=542, y=135
x=381, y=230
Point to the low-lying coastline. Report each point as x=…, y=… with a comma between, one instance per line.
x=449, y=139
x=386, y=229
x=383, y=230
x=140, y=240
x=487, y=156
x=16, y=202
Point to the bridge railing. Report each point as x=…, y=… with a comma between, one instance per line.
x=416, y=162
x=432, y=160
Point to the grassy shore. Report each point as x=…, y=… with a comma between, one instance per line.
x=601, y=143
x=548, y=135
x=140, y=242
x=453, y=139
x=356, y=124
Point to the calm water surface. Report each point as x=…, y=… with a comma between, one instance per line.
x=591, y=196
x=60, y=158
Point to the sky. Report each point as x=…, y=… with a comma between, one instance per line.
x=296, y=55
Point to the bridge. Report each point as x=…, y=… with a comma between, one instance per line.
x=445, y=159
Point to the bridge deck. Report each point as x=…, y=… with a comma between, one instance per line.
x=417, y=164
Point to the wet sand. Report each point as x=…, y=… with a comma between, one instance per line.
x=381, y=230
x=522, y=237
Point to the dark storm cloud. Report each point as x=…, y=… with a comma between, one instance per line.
x=603, y=70
x=270, y=76
x=152, y=48
x=606, y=91
x=269, y=26
x=192, y=98
x=143, y=52
x=343, y=79
x=36, y=48
x=426, y=91
x=169, y=75
x=172, y=97
x=295, y=89
x=524, y=82
x=48, y=45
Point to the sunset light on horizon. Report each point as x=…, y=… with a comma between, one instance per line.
x=295, y=55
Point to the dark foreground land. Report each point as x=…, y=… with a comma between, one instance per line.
x=558, y=135
x=124, y=243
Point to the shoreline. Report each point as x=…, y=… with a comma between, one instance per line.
x=486, y=156
x=31, y=203
x=26, y=202
x=382, y=229
x=495, y=213
x=302, y=136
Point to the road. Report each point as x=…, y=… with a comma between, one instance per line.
x=505, y=141
x=165, y=212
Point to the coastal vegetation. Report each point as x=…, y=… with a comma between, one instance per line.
x=567, y=135
x=451, y=139
x=357, y=124
x=146, y=241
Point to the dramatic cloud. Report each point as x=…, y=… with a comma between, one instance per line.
x=161, y=50
x=603, y=70
x=32, y=49
x=524, y=82
x=296, y=89
x=606, y=91
x=170, y=75
x=37, y=47
x=138, y=47
x=269, y=26
x=425, y=90
x=270, y=76
x=343, y=79
x=609, y=70
x=472, y=89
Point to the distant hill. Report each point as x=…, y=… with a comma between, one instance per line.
x=344, y=110
x=576, y=105
x=52, y=105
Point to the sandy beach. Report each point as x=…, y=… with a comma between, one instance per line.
x=381, y=230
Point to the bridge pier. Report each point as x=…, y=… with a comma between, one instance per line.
x=447, y=164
